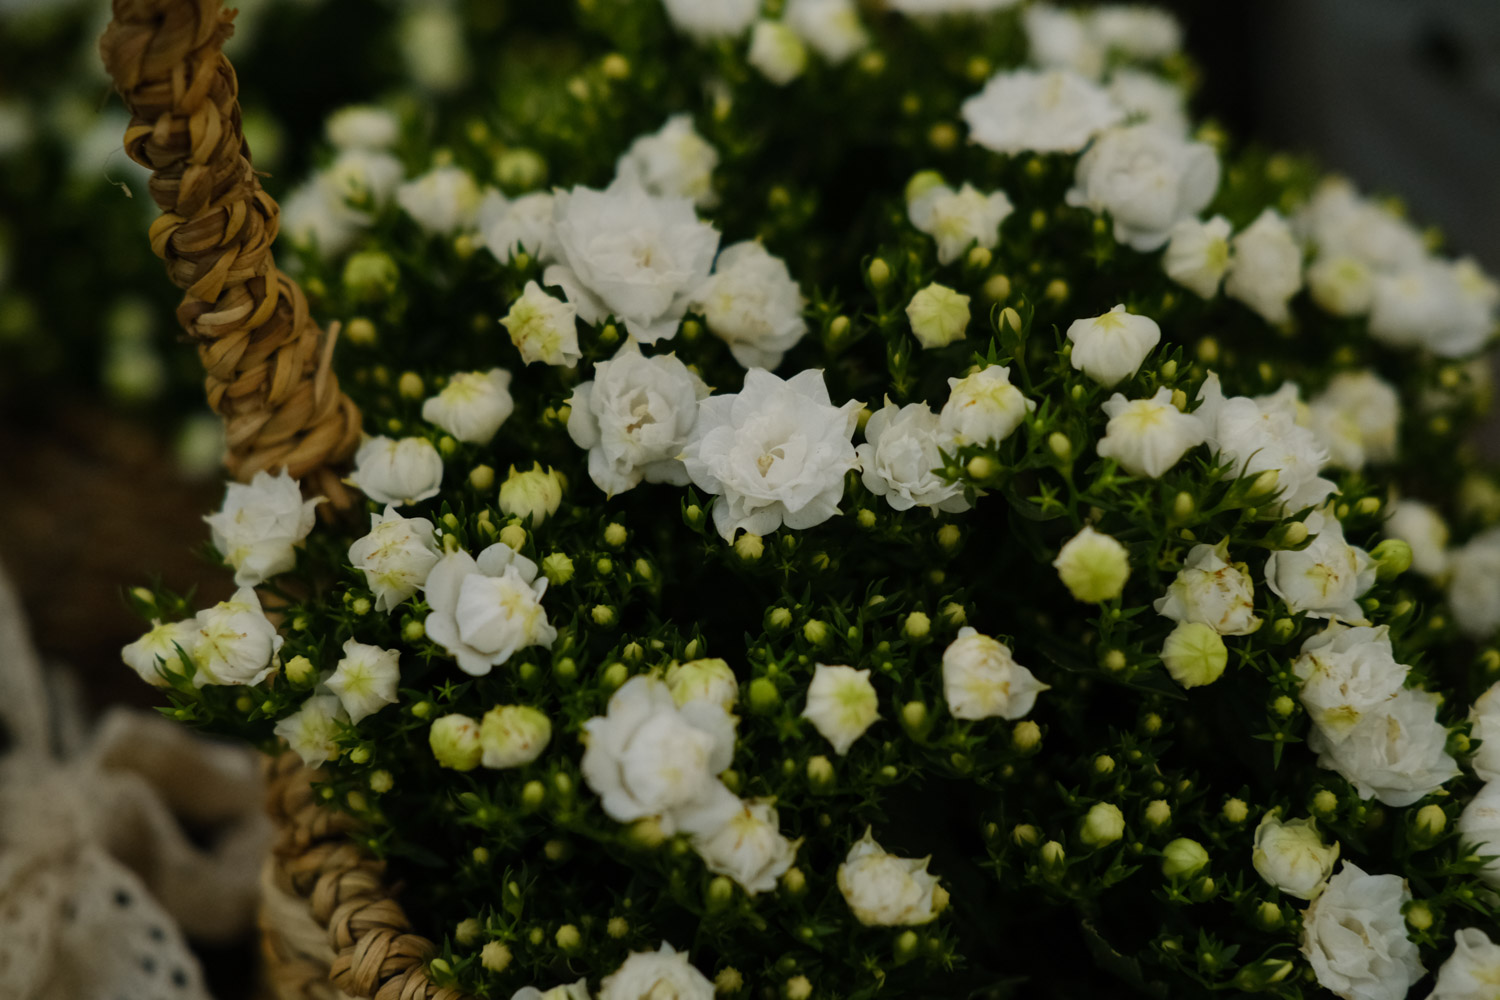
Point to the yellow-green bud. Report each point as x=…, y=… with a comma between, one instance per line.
x=533, y=794
x=1325, y=803
x=798, y=988
x=720, y=893
x=482, y=477
x=1093, y=566
x=938, y=315
x=1265, y=483
x=495, y=957
x=997, y=289
x=409, y=386
x=360, y=331
x=915, y=718
x=1429, y=823
x=614, y=675
x=602, y=614
x=454, y=740
x=568, y=938
x=979, y=258
x=1235, y=811
x=1025, y=835
x=381, y=782
x=728, y=981
x=1104, y=764
x=1052, y=855
x=820, y=772
x=617, y=927
x=1060, y=446
x=794, y=882
x=1419, y=916
x=1026, y=736
x=1392, y=558
x=1103, y=825
x=533, y=495
x=557, y=568
x=413, y=630
x=615, y=534
x=300, y=671
x=917, y=625
x=815, y=632
x=1194, y=654
x=921, y=182
x=467, y=932
x=1183, y=858
x=749, y=546
x=1158, y=814
x=513, y=535
x=953, y=613
x=370, y=276
x=1284, y=706
x=865, y=517
x=520, y=168
x=880, y=273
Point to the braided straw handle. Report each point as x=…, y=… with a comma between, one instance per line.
x=265, y=357
x=268, y=375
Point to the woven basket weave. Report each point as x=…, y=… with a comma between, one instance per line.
x=331, y=927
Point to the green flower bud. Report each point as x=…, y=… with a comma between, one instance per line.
x=1183, y=858
x=1194, y=654
x=1325, y=803
x=409, y=386
x=997, y=289
x=921, y=182
x=300, y=671
x=557, y=568
x=513, y=535
x=568, y=937
x=1093, y=566
x=720, y=893
x=1419, y=916
x=749, y=547
x=1428, y=824
x=614, y=675
x=798, y=988
x=1026, y=736
x=815, y=632
x=495, y=957
x=1060, y=446
x=467, y=932
x=1103, y=825
x=728, y=982
x=1235, y=811
x=455, y=743
x=820, y=773
x=1053, y=857
x=794, y=882
x=617, y=927
x=938, y=315
x=533, y=495
x=1392, y=558
x=1158, y=814
x=1268, y=917
x=1025, y=835
x=413, y=630
x=915, y=719
x=615, y=534
x=763, y=695
x=917, y=625
x=371, y=276
x=1104, y=764
x=880, y=273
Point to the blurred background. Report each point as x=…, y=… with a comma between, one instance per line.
x=107, y=457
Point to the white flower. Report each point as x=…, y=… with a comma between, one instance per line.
x=1472, y=972
x=312, y=731
x=1347, y=673
x=157, y=651
x=365, y=679
x=634, y=417
x=366, y=178
x=1395, y=753
x=1112, y=347
x=258, y=529
x=472, y=406
x=1058, y=38
x=1339, y=223
x=1354, y=936
x=313, y=217
x=1292, y=857
x=397, y=472
x=531, y=496
x=674, y=161
x=1137, y=31
x=1357, y=419
x=1148, y=180
x=1474, y=587
x=395, y=556
x=484, y=610
x=1150, y=99
x=513, y=735
x=1093, y=566
x=632, y=255
x=1211, y=591
x=1148, y=436
x=959, y=219
x=1479, y=825
x=1484, y=716
x=431, y=37
x=1262, y=434
x=441, y=201
x=1197, y=255
x=524, y=225
x=749, y=848
x=1420, y=525
x=1265, y=267
x=1445, y=307
x=777, y=51
x=1056, y=111
x=841, y=705
x=752, y=303
x=983, y=408
x=570, y=991
x=543, y=328
x=1342, y=284
x=362, y=126
x=707, y=19
x=648, y=757
x=707, y=679
x=902, y=450
x=830, y=26
x=236, y=643
x=1325, y=579
x=931, y=7
x=664, y=974
x=774, y=453
x=982, y=680
x=883, y=890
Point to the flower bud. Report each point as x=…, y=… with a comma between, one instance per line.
x=370, y=276
x=915, y=719
x=1419, y=916
x=615, y=534
x=1325, y=803
x=1104, y=764
x=1158, y=814
x=1258, y=975
x=300, y=671
x=1268, y=916
x=454, y=740
x=1264, y=484
x=568, y=937
x=513, y=735
x=820, y=773
x=495, y=957
x=997, y=289
x=467, y=932
x=880, y=273
x=798, y=988
x=1093, y=566
x=917, y=625
x=1060, y=446
x=1235, y=811
x=1392, y=558
x=938, y=315
x=794, y=882
x=1428, y=824
x=1025, y=835
x=921, y=182
x=557, y=568
x=1104, y=824
x=513, y=535
x=1183, y=858
x=1194, y=654
x=381, y=782
x=1053, y=856
x=533, y=495
x=1026, y=736
x=815, y=632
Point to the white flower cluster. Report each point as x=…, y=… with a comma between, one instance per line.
x=1371, y=262
x=331, y=209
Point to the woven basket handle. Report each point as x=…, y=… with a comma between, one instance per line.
x=266, y=361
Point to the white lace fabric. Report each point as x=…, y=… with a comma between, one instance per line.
x=116, y=844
